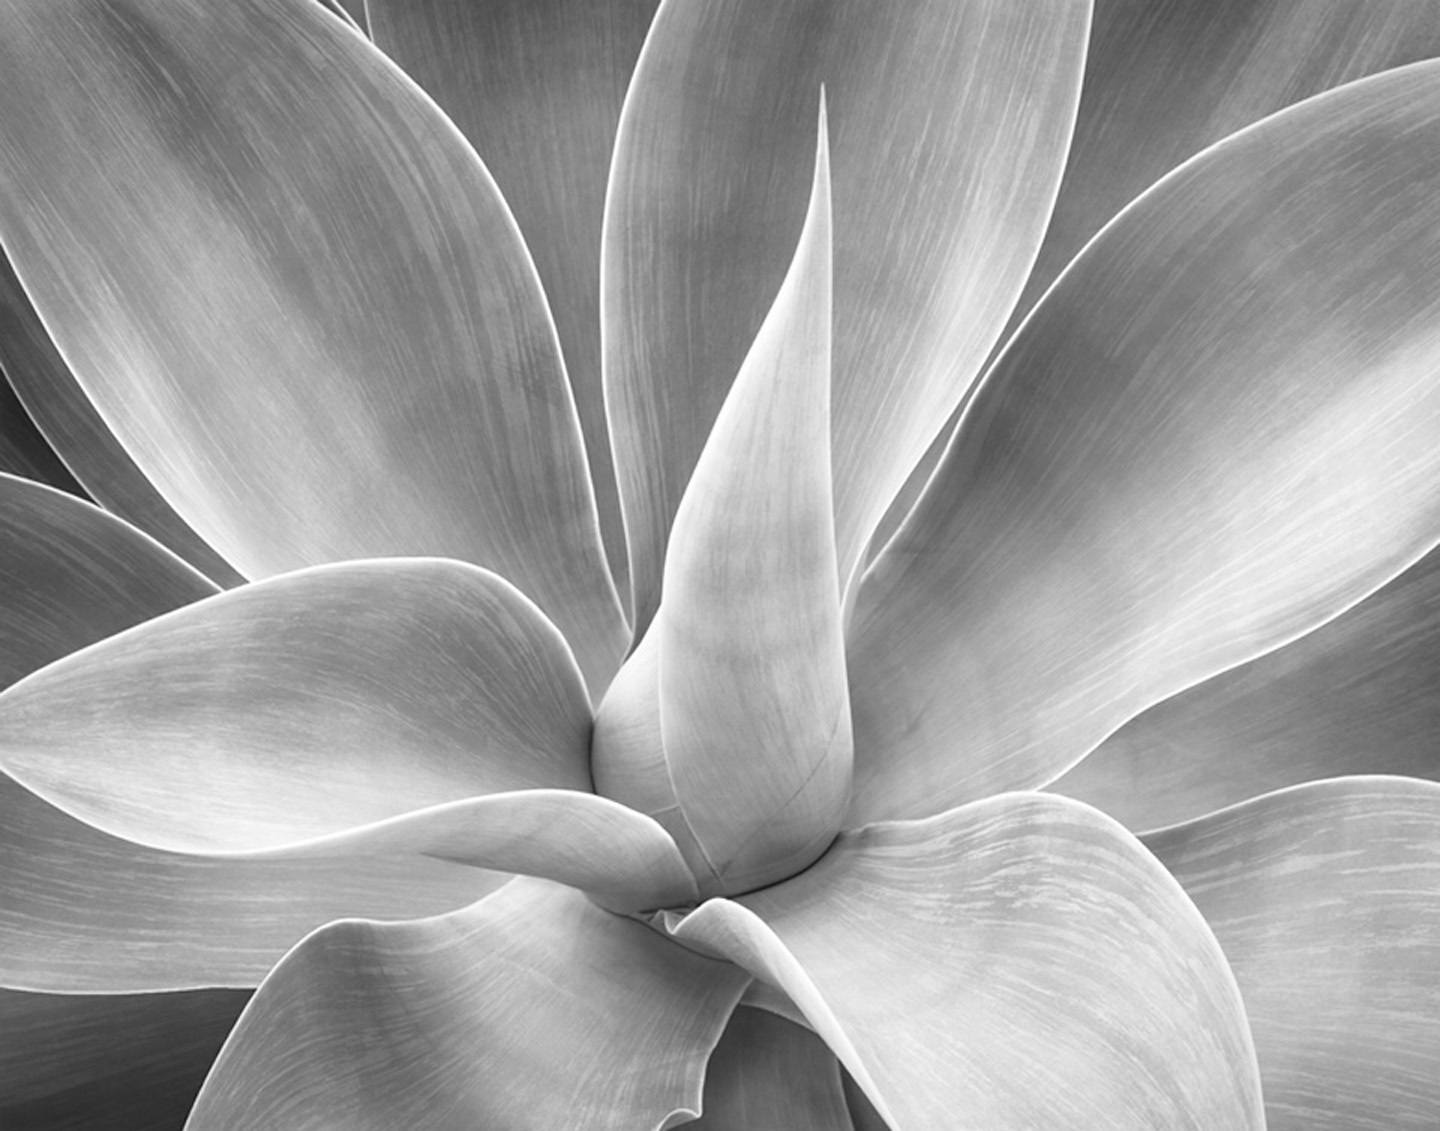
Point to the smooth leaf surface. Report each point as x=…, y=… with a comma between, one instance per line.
x=84, y=912
x=1020, y=962
x=117, y=1063
x=352, y=12
x=532, y=1009
x=1326, y=898
x=754, y=712
x=24, y=451
x=537, y=85
x=294, y=294
x=1217, y=432
x=91, y=453
x=767, y=1074
x=303, y=706
x=949, y=127
x=621, y=857
x=1359, y=695
x=1165, y=79
x=72, y=574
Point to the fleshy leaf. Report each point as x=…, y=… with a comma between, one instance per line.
x=949, y=126
x=1164, y=80
x=753, y=713
x=343, y=9
x=532, y=1009
x=1356, y=696
x=769, y=1075
x=536, y=85
x=115, y=1063
x=1019, y=962
x=84, y=912
x=303, y=706
x=294, y=294
x=623, y=858
x=1326, y=898
x=1219, y=430
x=64, y=415
x=863, y=1116
x=72, y=574
x=24, y=451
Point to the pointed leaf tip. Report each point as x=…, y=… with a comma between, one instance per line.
x=950, y=123
x=753, y=703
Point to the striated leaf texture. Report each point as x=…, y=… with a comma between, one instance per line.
x=91, y=453
x=532, y=1009
x=1020, y=962
x=1217, y=432
x=303, y=706
x=753, y=715
x=537, y=85
x=1359, y=695
x=85, y=912
x=294, y=294
x=1326, y=898
x=768, y=1074
x=71, y=574
x=1166, y=78
x=949, y=126
x=117, y=1063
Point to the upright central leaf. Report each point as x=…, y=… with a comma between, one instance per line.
x=744, y=682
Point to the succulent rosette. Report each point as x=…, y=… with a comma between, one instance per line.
x=794, y=564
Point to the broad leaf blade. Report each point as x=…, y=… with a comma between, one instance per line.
x=295, y=295
x=536, y=85
x=72, y=575
x=1218, y=431
x=950, y=122
x=85, y=912
x=1356, y=696
x=1164, y=80
x=533, y=1009
x=64, y=415
x=767, y=1074
x=1326, y=898
x=117, y=1063
x=622, y=858
x=1015, y=963
x=303, y=706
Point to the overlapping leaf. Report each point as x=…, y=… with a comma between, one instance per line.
x=949, y=122
x=768, y=1074
x=294, y=294
x=533, y=1009
x=72, y=574
x=1164, y=80
x=91, y=453
x=1356, y=696
x=536, y=85
x=1326, y=898
x=1217, y=431
x=1018, y=962
x=753, y=712
x=85, y=912
x=304, y=706
x=24, y=451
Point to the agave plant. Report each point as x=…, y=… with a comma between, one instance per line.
x=866, y=568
